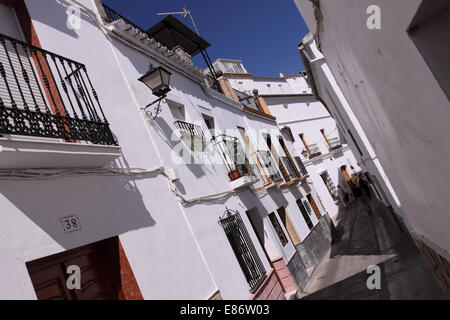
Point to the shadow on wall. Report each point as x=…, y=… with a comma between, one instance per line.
x=105, y=206
x=55, y=16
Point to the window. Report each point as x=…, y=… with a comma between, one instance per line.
x=284, y=217
x=305, y=213
x=244, y=250
x=268, y=164
x=276, y=157
x=288, y=162
x=191, y=135
x=177, y=110
x=234, y=156
x=302, y=167
x=276, y=225
x=329, y=184
x=209, y=121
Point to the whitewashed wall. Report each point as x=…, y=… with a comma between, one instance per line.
x=398, y=102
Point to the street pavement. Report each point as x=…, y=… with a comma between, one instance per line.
x=371, y=237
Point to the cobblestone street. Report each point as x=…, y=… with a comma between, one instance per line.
x=361, y=240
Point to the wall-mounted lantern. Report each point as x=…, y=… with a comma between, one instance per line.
x=157, y=80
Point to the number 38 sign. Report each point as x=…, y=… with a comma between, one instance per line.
x=70, y=224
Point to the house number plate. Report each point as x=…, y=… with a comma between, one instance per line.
x=70, y=224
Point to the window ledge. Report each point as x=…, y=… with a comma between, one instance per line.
x=243, y=182
x=21, y=153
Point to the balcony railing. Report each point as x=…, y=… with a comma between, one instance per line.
x=234, y=156
x=112, y=15
x=335, y=143
x=43, y=94
x=301, y=166
x=192, y=135
x=289, y=167
x=269, y=165
x=314, y=151
x=247, y=100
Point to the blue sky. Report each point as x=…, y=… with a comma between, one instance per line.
x=264, y=34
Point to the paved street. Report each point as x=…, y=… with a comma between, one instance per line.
x=362, y=240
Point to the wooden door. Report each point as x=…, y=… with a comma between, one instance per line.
x=99, y=278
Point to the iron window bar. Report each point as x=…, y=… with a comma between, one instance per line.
x=243, y=248
x=233, y=155
x=44, y=94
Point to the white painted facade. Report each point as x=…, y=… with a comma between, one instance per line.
x=168, y=227
x=291, y=101
x=389, y=86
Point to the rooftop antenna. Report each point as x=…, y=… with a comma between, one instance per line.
x=185, y=13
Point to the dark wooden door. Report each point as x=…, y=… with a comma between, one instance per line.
x=99, y=281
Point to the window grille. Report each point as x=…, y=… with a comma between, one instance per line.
x=244, y=249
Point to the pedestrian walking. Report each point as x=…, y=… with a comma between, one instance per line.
x=358, y=193
x=343, y=197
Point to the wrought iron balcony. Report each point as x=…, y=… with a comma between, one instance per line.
x=335, y=143
x=43, y=94
x=247, y=100
x=112, y=15
x=192, y=135
x=234, y=156
x=314, y=151
x=301, y=166
x=269, y=165
x=289, y=167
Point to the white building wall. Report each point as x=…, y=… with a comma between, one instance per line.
x=175, y=251
x=297, y=109
x=398, y=101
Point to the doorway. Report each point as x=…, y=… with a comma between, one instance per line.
x=103, y=265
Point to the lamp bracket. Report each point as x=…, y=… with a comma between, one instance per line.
x=152, y=114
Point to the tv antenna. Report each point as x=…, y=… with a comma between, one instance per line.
x=185, y=13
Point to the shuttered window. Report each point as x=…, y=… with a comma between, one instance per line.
x=8, y=22
x=17, y=65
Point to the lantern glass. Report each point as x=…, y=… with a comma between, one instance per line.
x=158, y=80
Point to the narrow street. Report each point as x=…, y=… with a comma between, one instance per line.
x=362, y=240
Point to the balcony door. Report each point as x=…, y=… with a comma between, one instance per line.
x=15, y=61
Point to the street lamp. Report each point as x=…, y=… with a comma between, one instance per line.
x=157, y=80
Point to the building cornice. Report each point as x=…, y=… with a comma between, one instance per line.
x=139, y=40
x=288, y=95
